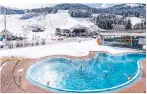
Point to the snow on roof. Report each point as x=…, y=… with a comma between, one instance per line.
x=6, y=32
x=79, y=26
x=36, y=26
x=2, y=43
x=94, y=15
x=90, y=27
x=67, y=26
x=144, y=47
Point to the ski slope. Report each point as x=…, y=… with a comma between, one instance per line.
x=49, y=22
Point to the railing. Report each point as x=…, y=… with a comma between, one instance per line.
x=24, y=43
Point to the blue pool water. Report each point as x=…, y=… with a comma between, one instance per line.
x=102, y=73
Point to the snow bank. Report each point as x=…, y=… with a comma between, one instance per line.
x=135, y=20
x=70, y=48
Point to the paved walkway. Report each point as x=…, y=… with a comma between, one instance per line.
x=13, y=76
x=139, y=86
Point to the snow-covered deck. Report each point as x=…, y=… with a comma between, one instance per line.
x=67, y=48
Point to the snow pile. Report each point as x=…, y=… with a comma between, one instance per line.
x=144, y=47
x=67, y=48
x=135, y=20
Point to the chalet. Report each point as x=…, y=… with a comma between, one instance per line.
x=76, y=30
x=6, y=34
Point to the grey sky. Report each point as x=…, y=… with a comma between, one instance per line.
x=30, y=6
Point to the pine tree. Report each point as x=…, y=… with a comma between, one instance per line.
x=137, y=14
x=109, y=25
x=128, y=25
x=142, y=25
x=145, y=24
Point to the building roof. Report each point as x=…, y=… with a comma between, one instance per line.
x=78, y=26
x=143, y=34
x=66, y=26
x=94, y=15
x=6, y=33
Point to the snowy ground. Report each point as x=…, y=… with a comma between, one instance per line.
x=61, y=19
x=67, y=48
x=52, y=21
x=135, y=20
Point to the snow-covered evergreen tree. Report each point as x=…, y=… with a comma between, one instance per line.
x=128, y=25
x=79, y=13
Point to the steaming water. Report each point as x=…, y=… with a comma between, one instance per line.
x=100, y=72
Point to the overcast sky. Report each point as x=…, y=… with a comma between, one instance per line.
x=31, y=6
x=28, y=6
x=101, y=5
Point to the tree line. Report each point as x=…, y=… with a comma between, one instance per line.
x=79, y=13
x=108, y=21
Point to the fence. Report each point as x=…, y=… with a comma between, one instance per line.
x=25, y=43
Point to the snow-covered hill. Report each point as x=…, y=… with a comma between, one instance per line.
x=133, y=5
x=130, y=9
x=51, y=22
x=129, y=5
x=135, y=20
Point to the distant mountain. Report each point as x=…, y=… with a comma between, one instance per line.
x=67, y=6
x=20, y=11
x=129, y=5
x=11, y=10
x=135, y=9
x=126, y=10
x=77, y=6
x=44, y=10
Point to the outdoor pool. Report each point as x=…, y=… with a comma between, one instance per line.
x=101, y=73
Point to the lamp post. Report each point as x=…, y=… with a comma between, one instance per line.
x=131, y=40
x=5, y=18
x=5, y=35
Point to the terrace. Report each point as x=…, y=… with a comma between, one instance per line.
x=13, y=71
